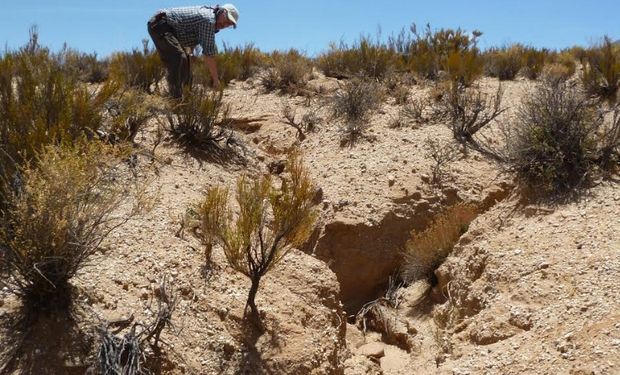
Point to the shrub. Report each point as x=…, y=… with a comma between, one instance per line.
x=468, y=110
x=426, y=250
x=533, y=61
x=608, y=156
x=86, y=67
x=554, y=138
x=127, y=113
x=55, y=222
x=601, y=71
x=353, y=104
x=200, y=119
x=238, y=63
x=141, y=69
x=442, y=156
x=287, y=72
x=40, y=105
x=368, y=58
x=504, y=63
x=430, y=52
x=270, y=223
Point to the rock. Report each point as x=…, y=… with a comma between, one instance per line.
x=373, y=349
x=391, y=180
x=276, y=167
x=355, y=338
x=318, y=196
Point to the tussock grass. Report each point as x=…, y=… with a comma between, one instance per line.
x=426, y=250
x=140, y=68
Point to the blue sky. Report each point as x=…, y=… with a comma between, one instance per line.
x=115, y=25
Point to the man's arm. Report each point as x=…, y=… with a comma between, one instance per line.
x=212, y=65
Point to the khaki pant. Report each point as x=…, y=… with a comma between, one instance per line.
x=172, y=54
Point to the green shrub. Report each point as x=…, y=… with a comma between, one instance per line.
x=141, y=69
x=601, y=70
x=364, y=58
x=55, y=221
x=199, y=120
x=270, y=223
x=554, y=141
x=287, y=72
x=353, y=105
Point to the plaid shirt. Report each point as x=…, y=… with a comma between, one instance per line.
x=193, y=26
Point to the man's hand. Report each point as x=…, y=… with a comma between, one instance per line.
x=212, y=65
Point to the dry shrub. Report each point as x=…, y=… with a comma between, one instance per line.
x=127, y=114
x=442, y=155
x=200, y=119
x=426, y=250
x=533, y=61
x=468, y=110
x=353, y=105
x=233, y=63
x=86, y=67
x=608, y=157
x=40, y=104
x=554, y=143
x=453, y=51
x=239, y=63
x=269, y=224
x=141, y=69
x=307, y=123
x=366, y=57
x=504, y=63
x=56, y=220
x=287, y=71
x=601, y=70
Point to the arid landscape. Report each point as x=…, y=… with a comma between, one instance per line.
x=433, y=250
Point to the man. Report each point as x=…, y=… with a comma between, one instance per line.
x=175, y=30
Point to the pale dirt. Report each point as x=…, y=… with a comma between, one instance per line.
x=529, y=289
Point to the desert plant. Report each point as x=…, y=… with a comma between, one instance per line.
x=86, y=67
x=126, y=114
x=200, y=119
x=239, y=62
x=287, y=71
x=609, y=142
x=140, y=68
x=40, y=104
x=415, y=110
x=125, y=355
x=353, y=104
x=601, y=70
x=468, y=110
x=307, y=123
x=533, y=61
x=442, y=156
x=366, y=57
x=56, y=220
x=553, y=144
x=504, y=63
x=270, y=223
x=427, y=249
x=429, y=52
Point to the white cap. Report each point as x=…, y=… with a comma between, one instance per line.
x=233, y=13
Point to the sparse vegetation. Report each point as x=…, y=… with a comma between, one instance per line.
x=504, y=63
x=554, y=145
x=353, y=104
x=601, y=70
x=56, y=220
x=141, y=69
x=200, y=119
x=366, y=57
x=239, y=62
x=468, y=110
x=270, y=223
x=287, y=71
x=426, y=250
x=442, y=155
